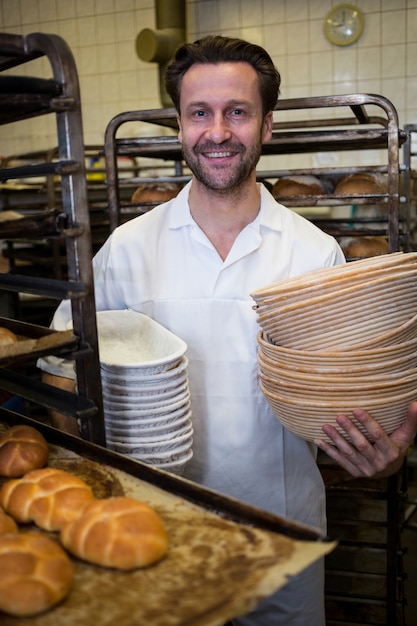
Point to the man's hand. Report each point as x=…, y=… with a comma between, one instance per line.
x=360, y=457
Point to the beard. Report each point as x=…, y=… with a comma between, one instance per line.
x=222, y=178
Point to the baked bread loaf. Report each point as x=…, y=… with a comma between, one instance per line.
x=362, y=183
x=364, y=247
x=49, y=497
x=290, y=186
x=22, y=449
x=35, y=574
x=118, y=532
x=7, y=524
x=155, y=193
x=7, y=336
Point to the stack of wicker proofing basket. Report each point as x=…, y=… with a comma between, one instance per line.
x=340, y=338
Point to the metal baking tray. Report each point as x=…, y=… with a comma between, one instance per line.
x=224, y=555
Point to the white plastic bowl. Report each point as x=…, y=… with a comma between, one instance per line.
x=128, y=339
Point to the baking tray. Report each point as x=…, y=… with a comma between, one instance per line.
x=224, y=556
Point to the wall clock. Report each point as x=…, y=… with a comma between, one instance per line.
x=343, y=25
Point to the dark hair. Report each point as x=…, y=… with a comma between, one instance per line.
x=219, y=49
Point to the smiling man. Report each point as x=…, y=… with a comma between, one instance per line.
x=192, y=263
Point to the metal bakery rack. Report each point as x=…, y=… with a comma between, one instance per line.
x=23, y=97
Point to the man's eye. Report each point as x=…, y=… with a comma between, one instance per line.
x=199, y=113
x=237, y=112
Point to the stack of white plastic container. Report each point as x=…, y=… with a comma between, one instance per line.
x=144, y=373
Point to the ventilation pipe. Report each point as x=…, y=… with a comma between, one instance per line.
x=159, y=45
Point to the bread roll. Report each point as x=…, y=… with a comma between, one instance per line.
x=7, y=524
x=7, y=336
x=48, y=497
x=155, y=193
x=363, y=247
x=362, y=183
x=118, y=532
x=22, y=449
x=290, y=186
x=35, y=574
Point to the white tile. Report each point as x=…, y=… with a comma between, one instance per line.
x=65, y=9
x=87, y=31
x=412, y=25
x=105, y=29
x=298, y=39
x=275, y=40
x=11, y=13
x=369, y=63
x=84, y=7
x=207, y=17
x=295, y=11
x=253, y=34
x=251, y=13
x=107, y=59
x=274, y=11
x=321, y=67
x=393, y=60
x=87, y=61
x=393, y=27
x=411, y=63
x=47, y=10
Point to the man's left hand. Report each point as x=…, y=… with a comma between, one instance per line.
x=361, y=458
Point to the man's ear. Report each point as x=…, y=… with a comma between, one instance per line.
x=179, y=127
x=267, y=127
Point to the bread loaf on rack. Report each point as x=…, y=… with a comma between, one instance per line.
x=155, y=193
x=118, y=532
x=49, y=497
x=35, y=574
x=303, y=185
x=7, y=336
x=22, y=449
x=364, y=247
x=362, y=183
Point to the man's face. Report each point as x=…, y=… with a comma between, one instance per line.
x=221, y=123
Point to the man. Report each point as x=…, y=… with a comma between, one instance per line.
x=192, y=264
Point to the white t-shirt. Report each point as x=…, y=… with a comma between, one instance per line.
x=163, y=265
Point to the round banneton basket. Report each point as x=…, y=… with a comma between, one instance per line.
x=337, y=339
x=305, y=417
x=388, y=359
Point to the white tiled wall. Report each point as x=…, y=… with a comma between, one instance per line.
x=102, y=34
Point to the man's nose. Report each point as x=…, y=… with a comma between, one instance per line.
x=219, y=130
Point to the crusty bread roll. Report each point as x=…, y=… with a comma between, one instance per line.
x=7, y=523
x=362, y=183
x=7, y=336
x=155, y=193
x=48, y=497
x=118, y=532
x=289, y=186
x=22, y=449
x=35, y=574
x=363, y=247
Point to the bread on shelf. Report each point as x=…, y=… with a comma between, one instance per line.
x=303, y=185
x=362, y=183
x=363, y=247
